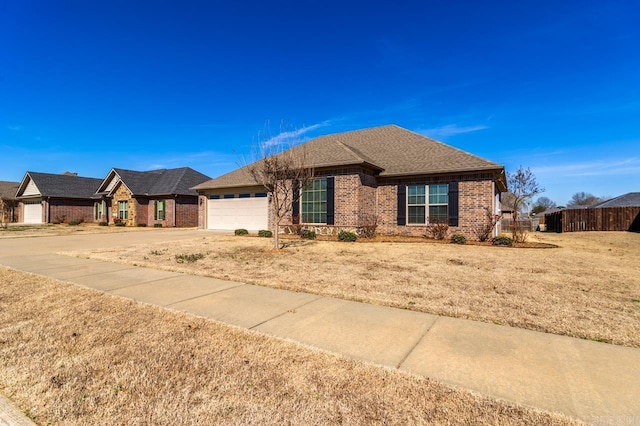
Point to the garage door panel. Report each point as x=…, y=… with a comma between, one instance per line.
x=234, y=213
x=32, y=212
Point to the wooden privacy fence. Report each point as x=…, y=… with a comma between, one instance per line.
x=596, y=219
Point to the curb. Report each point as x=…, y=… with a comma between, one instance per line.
x=11, y=416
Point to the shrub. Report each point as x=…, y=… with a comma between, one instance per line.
x=190, y=258
x=438, y=229
x=241, y=231
x=142, y=225
x=157, y=225
x=57, y=220
x=308, y=234
x=265, y=233
x=484, y=231
x=347, y=236
x=458, y=239
x=368, y=226
x=121, y=223
x=103, y=224
x=502, y=240
x=75, y=222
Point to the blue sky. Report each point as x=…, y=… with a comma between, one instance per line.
x=554, y=86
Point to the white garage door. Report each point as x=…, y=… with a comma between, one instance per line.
x=32, y=212
x=235, y=213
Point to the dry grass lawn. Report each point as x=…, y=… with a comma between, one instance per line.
x=23, y=231
x=70, y=356
x=589, y=287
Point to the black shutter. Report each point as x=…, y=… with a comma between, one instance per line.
x=330, y=200
x=402, y=205
x=295, y=205
x=453, y=203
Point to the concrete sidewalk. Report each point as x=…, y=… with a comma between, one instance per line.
x=587, y=380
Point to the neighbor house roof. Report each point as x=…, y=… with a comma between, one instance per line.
x=66, y=185
x=631, y=199
x=389, y=150
x=155, y=182
x=8, y=189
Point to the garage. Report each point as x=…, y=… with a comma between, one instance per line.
x=234, y=211
x=32, y=211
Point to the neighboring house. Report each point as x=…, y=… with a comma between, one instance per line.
x=9, y=204
x=631, y=199
x=49, y=198
x=161, y=196
x=399, y=180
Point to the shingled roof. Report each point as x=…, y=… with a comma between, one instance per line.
x=157, y=182
x=389, y=150
x=8, y=189
x=66, y=185
x=631, y=199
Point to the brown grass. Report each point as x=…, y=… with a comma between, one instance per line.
x=589, y=287
x=22, y=231
x=70, y=355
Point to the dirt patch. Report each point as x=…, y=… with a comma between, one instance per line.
x=70, y=355
x=585, y=288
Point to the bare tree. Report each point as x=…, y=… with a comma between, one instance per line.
x=281, y=167
x=542, y=204
x=583, y=199
x=523, y=185
x=5, y=212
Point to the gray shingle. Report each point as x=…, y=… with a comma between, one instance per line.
x=162, y=181
x=65, y=185
x=631, y=199
x=8, y=189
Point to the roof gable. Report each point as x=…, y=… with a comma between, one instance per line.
x=154, y=182
x=389, y=150
x=53, y=185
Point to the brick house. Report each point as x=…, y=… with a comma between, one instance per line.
x=152, y=197
x=399, y=180
x=9, y=205
x=50, y=198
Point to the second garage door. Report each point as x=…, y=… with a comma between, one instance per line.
x=234, y=213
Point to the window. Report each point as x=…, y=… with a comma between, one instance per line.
x=244, y=195
x=158, y=210
x=314, y=202
x=229, y=196
x=98, y=210
x=427, y=203
x=260, y=194
x=123, y=210
x=214, y=197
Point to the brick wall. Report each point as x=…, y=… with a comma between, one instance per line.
x=70, y=209
x=475, y=195
x=187, y=211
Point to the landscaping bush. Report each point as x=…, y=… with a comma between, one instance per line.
x=502, y=240
x=121, y=224
x=157, y=225
x=189, y=258
x=265, y=233
x=347, y=236
x=103, y=224
x=142, y=225
x=57, y=220
x=308, y=234
x=458, y=239
x=75, y=222
x=241, y=231
x=437, y=230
